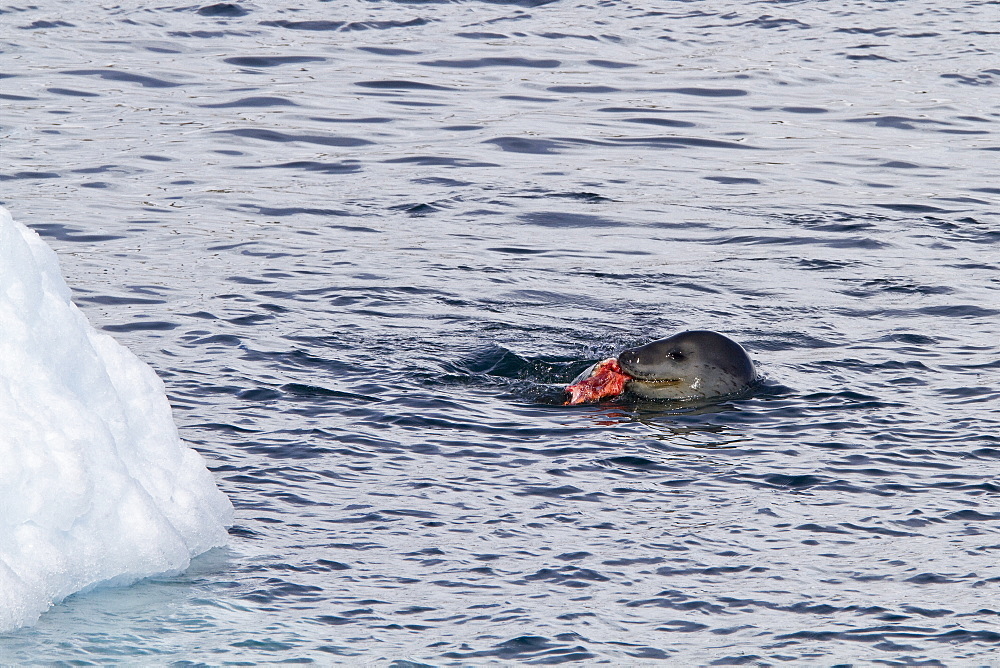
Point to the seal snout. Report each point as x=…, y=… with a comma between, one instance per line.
x=628, y=359
x=633, y=363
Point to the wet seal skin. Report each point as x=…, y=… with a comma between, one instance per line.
x=690, y=365
x=696, y=364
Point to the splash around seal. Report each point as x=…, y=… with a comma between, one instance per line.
x=695, y=364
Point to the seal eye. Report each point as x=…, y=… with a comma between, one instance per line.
x=675, y=355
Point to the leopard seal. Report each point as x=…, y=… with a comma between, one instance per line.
x=696, y=364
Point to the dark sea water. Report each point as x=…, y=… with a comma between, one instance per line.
x=365, y=243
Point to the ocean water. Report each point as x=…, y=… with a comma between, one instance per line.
x=365, y=244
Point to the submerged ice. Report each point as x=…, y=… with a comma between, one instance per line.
x=95, y=484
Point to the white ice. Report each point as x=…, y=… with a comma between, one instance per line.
x=96, y=487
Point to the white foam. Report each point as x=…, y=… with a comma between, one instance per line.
x=95, y=484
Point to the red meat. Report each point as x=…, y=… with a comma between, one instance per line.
x=607, y=380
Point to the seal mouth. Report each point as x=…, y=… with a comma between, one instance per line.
x=635, y=375
x=657, y=382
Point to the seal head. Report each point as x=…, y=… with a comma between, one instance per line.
x=689, y=365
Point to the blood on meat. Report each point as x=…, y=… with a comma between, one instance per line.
x=607, y=380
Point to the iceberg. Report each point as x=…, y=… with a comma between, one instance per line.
x=96, y=486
